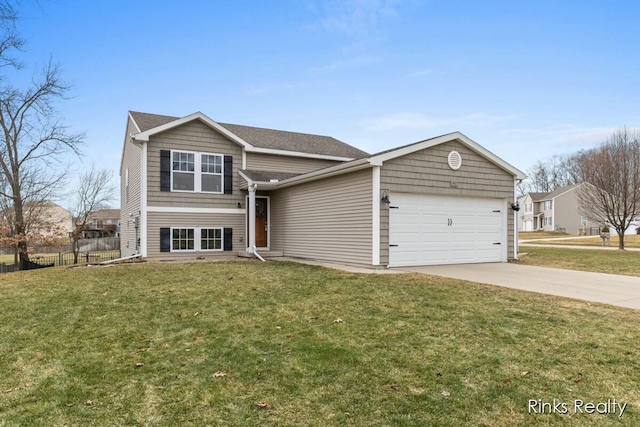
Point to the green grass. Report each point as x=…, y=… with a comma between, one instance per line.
x=630, y=241
x=141, y=345
x=604, y=261
x=526, y=235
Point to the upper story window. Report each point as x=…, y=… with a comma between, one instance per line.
x=528, y=207
x=198, y=172
x=211, y=168
x=548, y=204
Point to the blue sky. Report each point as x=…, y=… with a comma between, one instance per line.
x=524, y=79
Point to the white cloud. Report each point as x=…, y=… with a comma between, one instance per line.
x=567, y=135
x=408, y=120
x=357, y=18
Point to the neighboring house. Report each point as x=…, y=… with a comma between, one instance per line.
x=555, y=211
x=102, y=223
x=193, y=187
x=45, y=219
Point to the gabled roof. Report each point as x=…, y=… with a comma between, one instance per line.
x=105, y=214
x=378, y=159
x=559, y=191
x=538, y=197
x=146, y=121
x=253, y=138
x=454, y=136
x=295, y=141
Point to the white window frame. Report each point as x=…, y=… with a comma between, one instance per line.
x=197, y=243
x=584, y=220
x=528, y=207
x=548, y=220
x=221, y=173
x=221, y=239
x=197, y=172
x=548, y=205
x=195, y=239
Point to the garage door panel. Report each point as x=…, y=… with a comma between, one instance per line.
x=433, y=229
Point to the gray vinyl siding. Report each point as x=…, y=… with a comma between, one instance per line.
x=328, y=219
x=192, y=136
x=158, y=220
x=275, y=163
x=567, y=213
x=129, y=210
x=427, y=172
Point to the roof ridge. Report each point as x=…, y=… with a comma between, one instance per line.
x=277, y=130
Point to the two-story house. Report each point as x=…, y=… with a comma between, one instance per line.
x=102, y=223
x=557, y=210
x=193, y=187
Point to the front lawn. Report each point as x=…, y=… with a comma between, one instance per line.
x=284, y=344
x=601, y=261
x=630, y=241
x=530, y=235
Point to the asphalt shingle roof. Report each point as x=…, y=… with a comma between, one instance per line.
x=268, y=138
x=266, y=176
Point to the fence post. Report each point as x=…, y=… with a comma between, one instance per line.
x=87, y=256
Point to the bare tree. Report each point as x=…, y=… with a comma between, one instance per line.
x=550, y=174
x=33, y=138
x=94, y=192
x=612, y=176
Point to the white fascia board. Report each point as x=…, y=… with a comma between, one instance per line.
x=183, y=209
x=326, y=172
x=260, y=150
x=134, y=122
x=144, y=136
x=447, y=138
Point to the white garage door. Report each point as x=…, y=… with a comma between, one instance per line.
x=429, y=230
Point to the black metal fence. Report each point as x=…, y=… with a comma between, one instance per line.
x=41, y=261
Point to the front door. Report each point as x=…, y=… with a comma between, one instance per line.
x=262, y=222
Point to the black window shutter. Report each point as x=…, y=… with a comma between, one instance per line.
x=228, y=175
x=165, y=240
x=165, y=170
x=228, y=237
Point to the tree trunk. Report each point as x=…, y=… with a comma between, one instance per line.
x=620, y=239
x=76, y=248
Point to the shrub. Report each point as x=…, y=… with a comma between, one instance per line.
x=605, y=229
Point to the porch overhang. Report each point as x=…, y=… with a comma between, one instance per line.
x=265, y=180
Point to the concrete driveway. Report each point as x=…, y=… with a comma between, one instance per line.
x=623, y=291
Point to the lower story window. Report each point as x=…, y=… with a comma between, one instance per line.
x=211, y=239
x=196, y=239
x=548, y=220
x=183, y=239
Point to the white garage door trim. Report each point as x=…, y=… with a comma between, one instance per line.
x=435, y=229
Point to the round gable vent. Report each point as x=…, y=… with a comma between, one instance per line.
x=454, y=160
